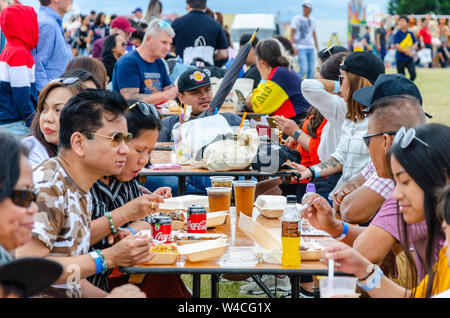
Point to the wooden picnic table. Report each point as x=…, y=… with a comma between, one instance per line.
x=240, y=259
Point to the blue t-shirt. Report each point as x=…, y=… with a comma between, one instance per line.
x=406, y=40
x=131, y=71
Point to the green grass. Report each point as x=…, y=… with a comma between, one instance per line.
x=434, y=85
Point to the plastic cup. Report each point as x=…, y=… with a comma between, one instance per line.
x=219, y=199
x=244, y=196
x=338, y=287
x=222, y=182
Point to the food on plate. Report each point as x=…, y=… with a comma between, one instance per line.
x=177, y=216
x=164, y=248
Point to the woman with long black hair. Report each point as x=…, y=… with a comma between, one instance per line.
x=420, y=166
x=115, y=46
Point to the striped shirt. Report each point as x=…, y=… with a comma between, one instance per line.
x=106, y=199
x=383, y=187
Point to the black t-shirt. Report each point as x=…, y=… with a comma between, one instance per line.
x=382, y=33
x=197, y=29
x=253, y=73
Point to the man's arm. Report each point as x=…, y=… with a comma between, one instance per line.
x=221, y=54
x=316, y=43
x=361, y=205
x=155, y=98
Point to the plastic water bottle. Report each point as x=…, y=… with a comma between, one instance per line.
x=310, y=188
x=290, y=234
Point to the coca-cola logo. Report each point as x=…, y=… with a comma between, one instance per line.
x=196, y=226
x=160, y=236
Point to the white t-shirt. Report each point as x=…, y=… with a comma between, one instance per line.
x=38, y=153
x=445, y=294
x=304, y=28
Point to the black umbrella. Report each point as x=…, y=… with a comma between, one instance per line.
x=231, y=76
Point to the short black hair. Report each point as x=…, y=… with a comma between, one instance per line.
x=197, y=4
x=403, y=16
x=10, y=151
x=84, y=112
x=245, y=38
x=137, y=122
x=83, y=75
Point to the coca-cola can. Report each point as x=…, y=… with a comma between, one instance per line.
x=162, y=228
x=196, y=219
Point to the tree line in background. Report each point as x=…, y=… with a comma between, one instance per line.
x=419, y=6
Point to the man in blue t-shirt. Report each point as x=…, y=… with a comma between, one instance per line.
x=142, y=74
x=405, y=43
x=199, y=35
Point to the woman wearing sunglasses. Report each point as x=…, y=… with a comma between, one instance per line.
x=115, y=46
x=420, y=167
x=17, y=198
x=44, y=139
x=119, y=199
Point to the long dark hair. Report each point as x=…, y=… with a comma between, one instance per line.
x=269, y=50
x=110, y=44
x=429, y=167
x=98, y=19
x=35, y=127
x=10, y=151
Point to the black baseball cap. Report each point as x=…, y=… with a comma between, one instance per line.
x=387, y=85
x=32, y=275
x=193, y=79
x=365, y=64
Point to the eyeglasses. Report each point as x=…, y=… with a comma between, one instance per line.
x=116, y=138
x=124, y=44
x=404, y=138
x=367, y=138
x=23, y=198
x=65, y=80
x=146, y=109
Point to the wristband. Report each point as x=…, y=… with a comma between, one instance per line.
x=297, y=134
x=132, y=231
x=344, y=232
x=374, y=279
x=111, y=223
x=337, y=86
x=313, y=174
x=98, y=262
x=104, y=263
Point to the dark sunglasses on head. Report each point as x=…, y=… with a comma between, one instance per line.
x=146, y=109
x=65, y=80
x=367, y=138
x=23, y=198
x=404, y=138
x=116, y=138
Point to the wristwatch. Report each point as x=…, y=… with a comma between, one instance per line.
x=297, y=134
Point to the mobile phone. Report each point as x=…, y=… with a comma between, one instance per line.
x=271, y=122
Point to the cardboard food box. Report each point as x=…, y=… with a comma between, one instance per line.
x=204, y=251
x=270, y=206
x=184, y=202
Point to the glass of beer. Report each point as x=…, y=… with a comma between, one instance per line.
x=244, y=196
x=222, y=182
x=219, y=199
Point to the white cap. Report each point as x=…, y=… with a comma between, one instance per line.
x=307, y=4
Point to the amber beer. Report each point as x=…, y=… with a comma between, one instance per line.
x=219, y=199
x=244, y=196
x=222, y=182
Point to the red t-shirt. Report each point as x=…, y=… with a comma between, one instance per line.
x=425, y=33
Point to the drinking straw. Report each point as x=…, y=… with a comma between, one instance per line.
x=330, y=273
x=242, y=122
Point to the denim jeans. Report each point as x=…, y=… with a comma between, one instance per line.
x=17, y=128
x=307, y=61
x=194, y=185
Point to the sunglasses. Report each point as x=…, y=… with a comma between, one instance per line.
x=65, y=80
x=23, y=198
x=341, y=79
x=116, y=138
x=124, y=44
x=146, y=109
x=404, y=138
x=367, y=138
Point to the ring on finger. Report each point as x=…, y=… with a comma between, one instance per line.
x=152, y=206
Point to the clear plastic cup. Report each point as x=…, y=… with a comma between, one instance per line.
x=221, y=182
x=244, y=196
x=338, y=287
x=219, y=199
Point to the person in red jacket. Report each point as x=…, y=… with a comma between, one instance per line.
x=425, y=38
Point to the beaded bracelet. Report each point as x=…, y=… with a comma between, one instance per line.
x=111, y=223
x=104, y=263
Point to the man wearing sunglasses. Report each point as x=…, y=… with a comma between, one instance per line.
x=393, y=102
x=142, y=74
x=92, y=144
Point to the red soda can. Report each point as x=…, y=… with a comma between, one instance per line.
x=162, y=228
x=196, y=219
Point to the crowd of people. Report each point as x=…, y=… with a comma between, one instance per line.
x=79, y=119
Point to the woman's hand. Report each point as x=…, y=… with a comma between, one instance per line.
x=305, y=173
x=288, y=126
x=142, y=206
x=347, y=260
x=164, y=192
x=320, y=215
x=291, y=143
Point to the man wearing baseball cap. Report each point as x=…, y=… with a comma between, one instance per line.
x=194, y=89
x=138, y=16
x=304, y=38
x=120, y=25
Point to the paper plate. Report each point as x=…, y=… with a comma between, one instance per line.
x=204, y=251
